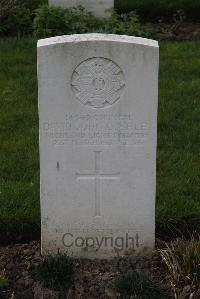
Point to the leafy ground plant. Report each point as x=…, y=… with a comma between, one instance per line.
x=182, y=259
x=56, y=272
x=139, y=285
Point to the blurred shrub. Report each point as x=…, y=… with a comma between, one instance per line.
x=31, y=4
x=126, y=24
x=7, y=8
x=52, y=21
x=16, y=16
x=20, y=23
x=23, y=17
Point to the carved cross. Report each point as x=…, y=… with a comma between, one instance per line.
x=97, y=177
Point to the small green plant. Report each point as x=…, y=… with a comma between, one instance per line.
x=3, y=280
x=182, y=259
x=56, y=272
x=139, y=285
x=125, y=24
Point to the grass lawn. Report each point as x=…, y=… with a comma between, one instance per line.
x=178, y=166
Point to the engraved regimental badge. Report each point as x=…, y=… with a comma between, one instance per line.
x=98, y=82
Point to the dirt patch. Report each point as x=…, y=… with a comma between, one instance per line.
x=93, y=278
x=176, y=30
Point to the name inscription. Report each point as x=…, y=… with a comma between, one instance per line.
x=99, y=129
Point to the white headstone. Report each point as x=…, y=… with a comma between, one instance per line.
x=100, y=8
x=98, y=127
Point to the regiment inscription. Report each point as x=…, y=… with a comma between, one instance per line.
x=97, y=129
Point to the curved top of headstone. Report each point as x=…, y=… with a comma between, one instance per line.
x=97, y=37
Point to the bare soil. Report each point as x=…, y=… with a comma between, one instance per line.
x=92, y=278
x=177, y=30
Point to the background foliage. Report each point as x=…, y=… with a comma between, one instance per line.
x=17, y=16
x=52, y=21
x=149, y=9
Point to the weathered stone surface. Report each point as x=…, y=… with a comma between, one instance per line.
x=98, y=124
x=100, y=8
